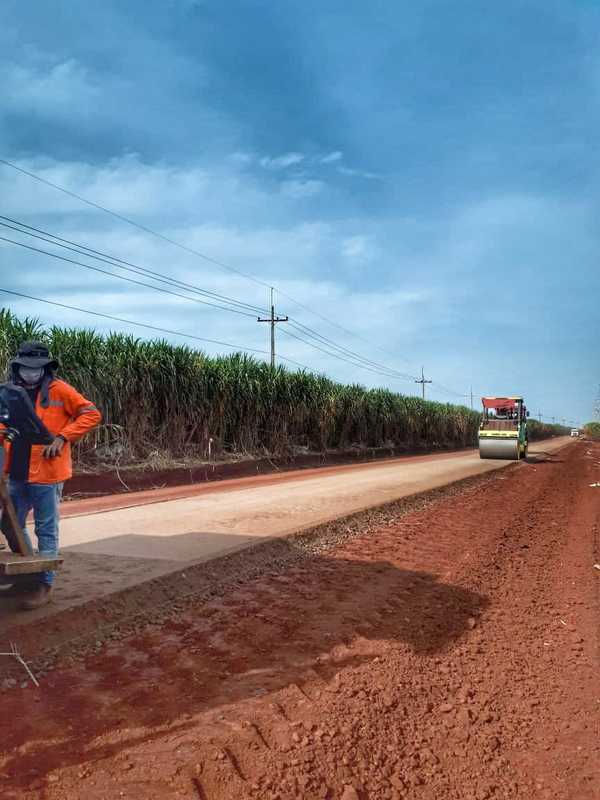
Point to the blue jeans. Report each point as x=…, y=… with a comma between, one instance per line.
x=44, y=499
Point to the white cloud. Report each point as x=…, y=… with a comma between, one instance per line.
x=358, y=249
x=331, y=158
x=419, y=289
x=281, y=162
x=300, y=189
x=360, y=173
x=241, y=158
x=50, y=90
x=131, y=187
x=209, y=211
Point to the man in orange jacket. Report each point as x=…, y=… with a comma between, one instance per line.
x=36, y=472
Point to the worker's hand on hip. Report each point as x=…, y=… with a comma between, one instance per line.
x=54, y=449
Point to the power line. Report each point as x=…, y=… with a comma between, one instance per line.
x=382, y=369
x=152, y=232
x=132, y=222
x=146, y=229
x=346, y=351
x=354, y=359
x=423, y=381
x=48, y=237
x=297, y=363
x=337, y=325
x=437, y=387
x=378, y=367
x=98, y=255
x=396, y=373
x=136, y=269
x=131, y=322
x=339, y=357
x=386, y=372
x=440, y=387
x=332, y=354
x=123, y=278
x=110, y=259
x=168, y=331
x=151, y=327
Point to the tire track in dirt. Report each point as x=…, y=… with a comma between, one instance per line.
x=449, y=653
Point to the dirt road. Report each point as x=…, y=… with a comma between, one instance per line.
x=447, y=652
x=214, y=518
x=115, y=543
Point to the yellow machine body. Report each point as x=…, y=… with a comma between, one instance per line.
x=503, y=428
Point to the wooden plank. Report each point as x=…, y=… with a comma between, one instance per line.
x=10, y=524
x=15, y=564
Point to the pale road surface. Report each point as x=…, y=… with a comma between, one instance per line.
x=220, y=518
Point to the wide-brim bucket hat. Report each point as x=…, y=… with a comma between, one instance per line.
x=34, y=355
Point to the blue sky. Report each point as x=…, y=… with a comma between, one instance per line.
x=424, y=174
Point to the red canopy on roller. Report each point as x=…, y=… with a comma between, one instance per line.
x=498, y=402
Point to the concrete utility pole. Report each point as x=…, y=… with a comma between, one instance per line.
x=471, y=398
x=423, y=381
x=273, y=319
x=540, y=416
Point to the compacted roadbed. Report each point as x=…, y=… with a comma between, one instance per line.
x=442, y=647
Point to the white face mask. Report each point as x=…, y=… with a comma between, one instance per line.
x=31, y=376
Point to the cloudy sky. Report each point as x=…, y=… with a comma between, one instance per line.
x=421, y=175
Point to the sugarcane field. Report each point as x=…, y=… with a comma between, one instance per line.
x=299, y=401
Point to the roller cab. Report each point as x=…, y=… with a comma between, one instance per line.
x=503, y=428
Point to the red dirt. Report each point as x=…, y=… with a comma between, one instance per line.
x=450, y=654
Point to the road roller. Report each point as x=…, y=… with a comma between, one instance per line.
x=503, y=428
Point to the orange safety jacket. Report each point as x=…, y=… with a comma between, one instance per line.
x=67, y=414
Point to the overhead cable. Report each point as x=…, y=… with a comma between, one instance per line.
x=341, y=357
x=207, y=258
x=133, y=222
x=240, y=347
x=123, y=278
x=131, y=322
x=128, y=266
x=346, y=351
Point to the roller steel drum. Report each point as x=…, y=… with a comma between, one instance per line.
x=507, y=449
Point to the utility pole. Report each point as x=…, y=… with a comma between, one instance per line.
x=471, y=398
x=273, y=319
x=540, y=416
x=423, y=381
x=553, y=420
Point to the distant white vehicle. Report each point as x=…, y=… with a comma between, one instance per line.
x=574, y=432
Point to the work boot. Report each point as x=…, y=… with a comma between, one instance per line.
x=38, y=598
